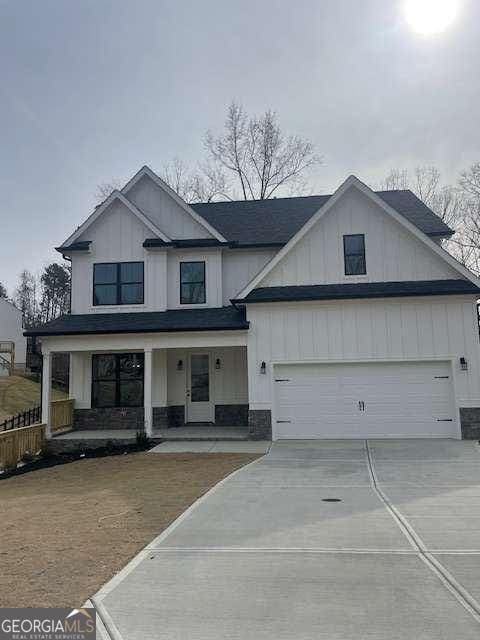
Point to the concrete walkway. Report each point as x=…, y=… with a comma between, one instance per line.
x=325, y=540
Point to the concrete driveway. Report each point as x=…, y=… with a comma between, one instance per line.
x=324, y=540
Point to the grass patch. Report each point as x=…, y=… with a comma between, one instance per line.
x=20, y=394
x=66, y=530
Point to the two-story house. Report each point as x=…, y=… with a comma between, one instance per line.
x=310, y=317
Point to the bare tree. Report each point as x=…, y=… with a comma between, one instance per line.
x=468, y=240
x=3, y=291
x=25, y=297
x=425, y=182
x=457, y=205
x=251, y=159
x=258, y=156
x=104, y=189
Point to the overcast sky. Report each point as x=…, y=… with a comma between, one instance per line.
x=91, y=90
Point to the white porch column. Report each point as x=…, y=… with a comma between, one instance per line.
x=147, y=386
x=46, y=391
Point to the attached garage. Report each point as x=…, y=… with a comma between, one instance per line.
x=364, y=400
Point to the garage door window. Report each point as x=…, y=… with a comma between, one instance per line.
x=354, y=254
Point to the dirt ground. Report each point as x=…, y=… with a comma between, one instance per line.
x=19, y=394
x=66, y=530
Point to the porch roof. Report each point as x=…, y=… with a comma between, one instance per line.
x=216, y=319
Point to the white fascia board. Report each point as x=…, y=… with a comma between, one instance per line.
x=146, y=171
x=115, y=195
x=355, y=182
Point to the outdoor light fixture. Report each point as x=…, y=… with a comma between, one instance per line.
x=463, y=364
x=180, y=365
x=263, y=368
x=218, y=364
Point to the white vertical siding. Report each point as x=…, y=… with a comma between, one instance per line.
x=239, y=267
x=229, y=384
x=11, y=330
x=402, y=329
x=80, y=379
x=164, y=212
x=392, y=253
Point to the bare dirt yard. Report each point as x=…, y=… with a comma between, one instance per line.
x=20, y=394
x=66, y=530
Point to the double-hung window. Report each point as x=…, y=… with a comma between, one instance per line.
x=117, y=380
x=118, y=283
x=192, y=283
x=354, y=255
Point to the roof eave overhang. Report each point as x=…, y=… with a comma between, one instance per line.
x=47, y=334
x=354, y=296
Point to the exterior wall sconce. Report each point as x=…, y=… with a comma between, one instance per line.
x=180, y=365
x=218, y=364
x=463, y=364
x=263, y=368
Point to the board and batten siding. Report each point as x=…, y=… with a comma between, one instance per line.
x=228, y=384
x=365, y=330
x=239, y=267
x=117, y=236
x=164, y=212
x=392, y=252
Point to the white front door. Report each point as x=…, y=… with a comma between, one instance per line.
x=199, y=403
x=375, y=400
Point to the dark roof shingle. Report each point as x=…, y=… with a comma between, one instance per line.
x=216, y=319
x=275, y=221
x=361, y=290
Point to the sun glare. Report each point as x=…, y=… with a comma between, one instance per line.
x=430, y=16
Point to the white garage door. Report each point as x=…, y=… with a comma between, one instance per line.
x=403, y=400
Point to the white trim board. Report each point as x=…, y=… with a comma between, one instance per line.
x=115, y=195
x=353, y=181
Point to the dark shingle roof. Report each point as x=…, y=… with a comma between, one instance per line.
x=361, y=290
x=217, y=319
x=275, y=221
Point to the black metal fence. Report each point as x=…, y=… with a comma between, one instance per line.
x=24, y=419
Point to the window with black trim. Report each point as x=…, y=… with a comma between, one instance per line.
x=117, y=283
x=117, y=380
x=192, y=283
x=354, y=255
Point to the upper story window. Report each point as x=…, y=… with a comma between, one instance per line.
x=118, y=283
x=192, y=283
x=354, y=255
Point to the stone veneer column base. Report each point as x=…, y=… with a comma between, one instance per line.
x=109, y=418
x=259, y=424
x=470, y=423
x=160, y=417
x=231, y=415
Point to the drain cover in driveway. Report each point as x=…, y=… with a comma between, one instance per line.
x=331, y=500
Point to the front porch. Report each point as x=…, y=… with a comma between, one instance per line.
x=188, y=433
x=176, y=387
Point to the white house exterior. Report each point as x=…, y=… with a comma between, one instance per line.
x=317, y=317
x=13, y=345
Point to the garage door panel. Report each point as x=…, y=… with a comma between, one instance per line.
x=396, y=400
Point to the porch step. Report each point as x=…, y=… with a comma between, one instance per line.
x=200, y=434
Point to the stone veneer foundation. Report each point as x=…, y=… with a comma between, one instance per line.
x=470, y=423
x=109, y=418
x=226, y=415
x=259, y=424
